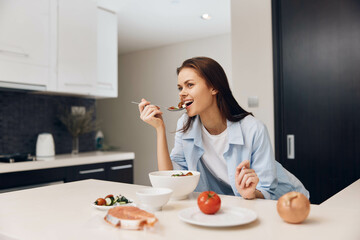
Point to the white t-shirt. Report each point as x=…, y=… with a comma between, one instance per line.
x=214, y=147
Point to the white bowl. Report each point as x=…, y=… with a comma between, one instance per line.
x=182, y=186
x=153, y=199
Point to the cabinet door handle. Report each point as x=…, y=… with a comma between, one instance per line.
x=121, y=167
x=23, y=86
x=108, y=10
x=92, y=171
x=290, y=146
x=105, y=85
x=13, y=53
x=78, y=84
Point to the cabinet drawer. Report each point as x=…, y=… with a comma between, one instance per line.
x=92, y=171
x=121, y=171
x=25, y=178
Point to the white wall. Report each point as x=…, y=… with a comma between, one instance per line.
x=152, y=74
x=252, y=57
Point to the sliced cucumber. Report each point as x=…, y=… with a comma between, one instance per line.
x=108, y=201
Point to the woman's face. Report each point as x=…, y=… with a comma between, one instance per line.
x=195, y=93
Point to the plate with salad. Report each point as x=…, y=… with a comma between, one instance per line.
x=111, y=201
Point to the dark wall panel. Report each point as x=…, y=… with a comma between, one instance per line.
x=317, y=45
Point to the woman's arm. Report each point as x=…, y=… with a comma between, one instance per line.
x=164, y=161
x=152, y=115
x=263, y=162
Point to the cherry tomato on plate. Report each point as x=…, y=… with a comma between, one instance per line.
x=100, y=201
x=209, y=202
x=110, y=196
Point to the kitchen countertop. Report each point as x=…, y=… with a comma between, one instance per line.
x=65, y=212
x=65, y=160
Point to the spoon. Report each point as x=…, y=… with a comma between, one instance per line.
x=171, y=109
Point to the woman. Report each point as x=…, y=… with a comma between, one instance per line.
x=218, y=138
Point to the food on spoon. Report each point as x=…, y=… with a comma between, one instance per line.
x=293, y=207
x=110, y=200
x=181, y=174
x=209, y=202
x=181, y=105
x=129, y=217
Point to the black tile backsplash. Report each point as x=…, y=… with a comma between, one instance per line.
x=23, y=115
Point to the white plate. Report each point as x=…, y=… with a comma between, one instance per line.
x=225, y=217
x=102, y=207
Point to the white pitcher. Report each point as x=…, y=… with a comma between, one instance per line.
x=45, y=147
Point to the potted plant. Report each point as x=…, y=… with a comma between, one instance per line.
x=78, y=121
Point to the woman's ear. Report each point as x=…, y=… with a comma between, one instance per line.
x=214, y=91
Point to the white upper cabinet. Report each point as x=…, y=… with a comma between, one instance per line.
x=77, y=46
x=24, y=43
x=59, y=46
x=107, y=54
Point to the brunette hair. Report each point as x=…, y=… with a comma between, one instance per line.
x=215, y=77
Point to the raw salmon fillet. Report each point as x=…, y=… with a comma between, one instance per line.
x=129, y=217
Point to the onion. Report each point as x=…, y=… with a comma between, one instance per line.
x=293, y=207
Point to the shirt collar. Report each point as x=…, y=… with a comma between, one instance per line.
x=235, y=134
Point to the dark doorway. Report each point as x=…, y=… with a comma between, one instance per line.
x=317, y=92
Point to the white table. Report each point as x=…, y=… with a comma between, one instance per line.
x=65, y=212
x=349, y=197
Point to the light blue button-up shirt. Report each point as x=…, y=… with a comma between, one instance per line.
x=248, y=140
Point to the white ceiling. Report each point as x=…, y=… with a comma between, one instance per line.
x=144, y=24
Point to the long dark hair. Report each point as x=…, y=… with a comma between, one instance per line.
x=215, y=77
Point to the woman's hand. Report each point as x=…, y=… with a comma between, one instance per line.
x=150, y=114
x=246, y=180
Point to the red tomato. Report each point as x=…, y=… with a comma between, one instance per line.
x=209, y=202
x=109, y=196
x=100, y=201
